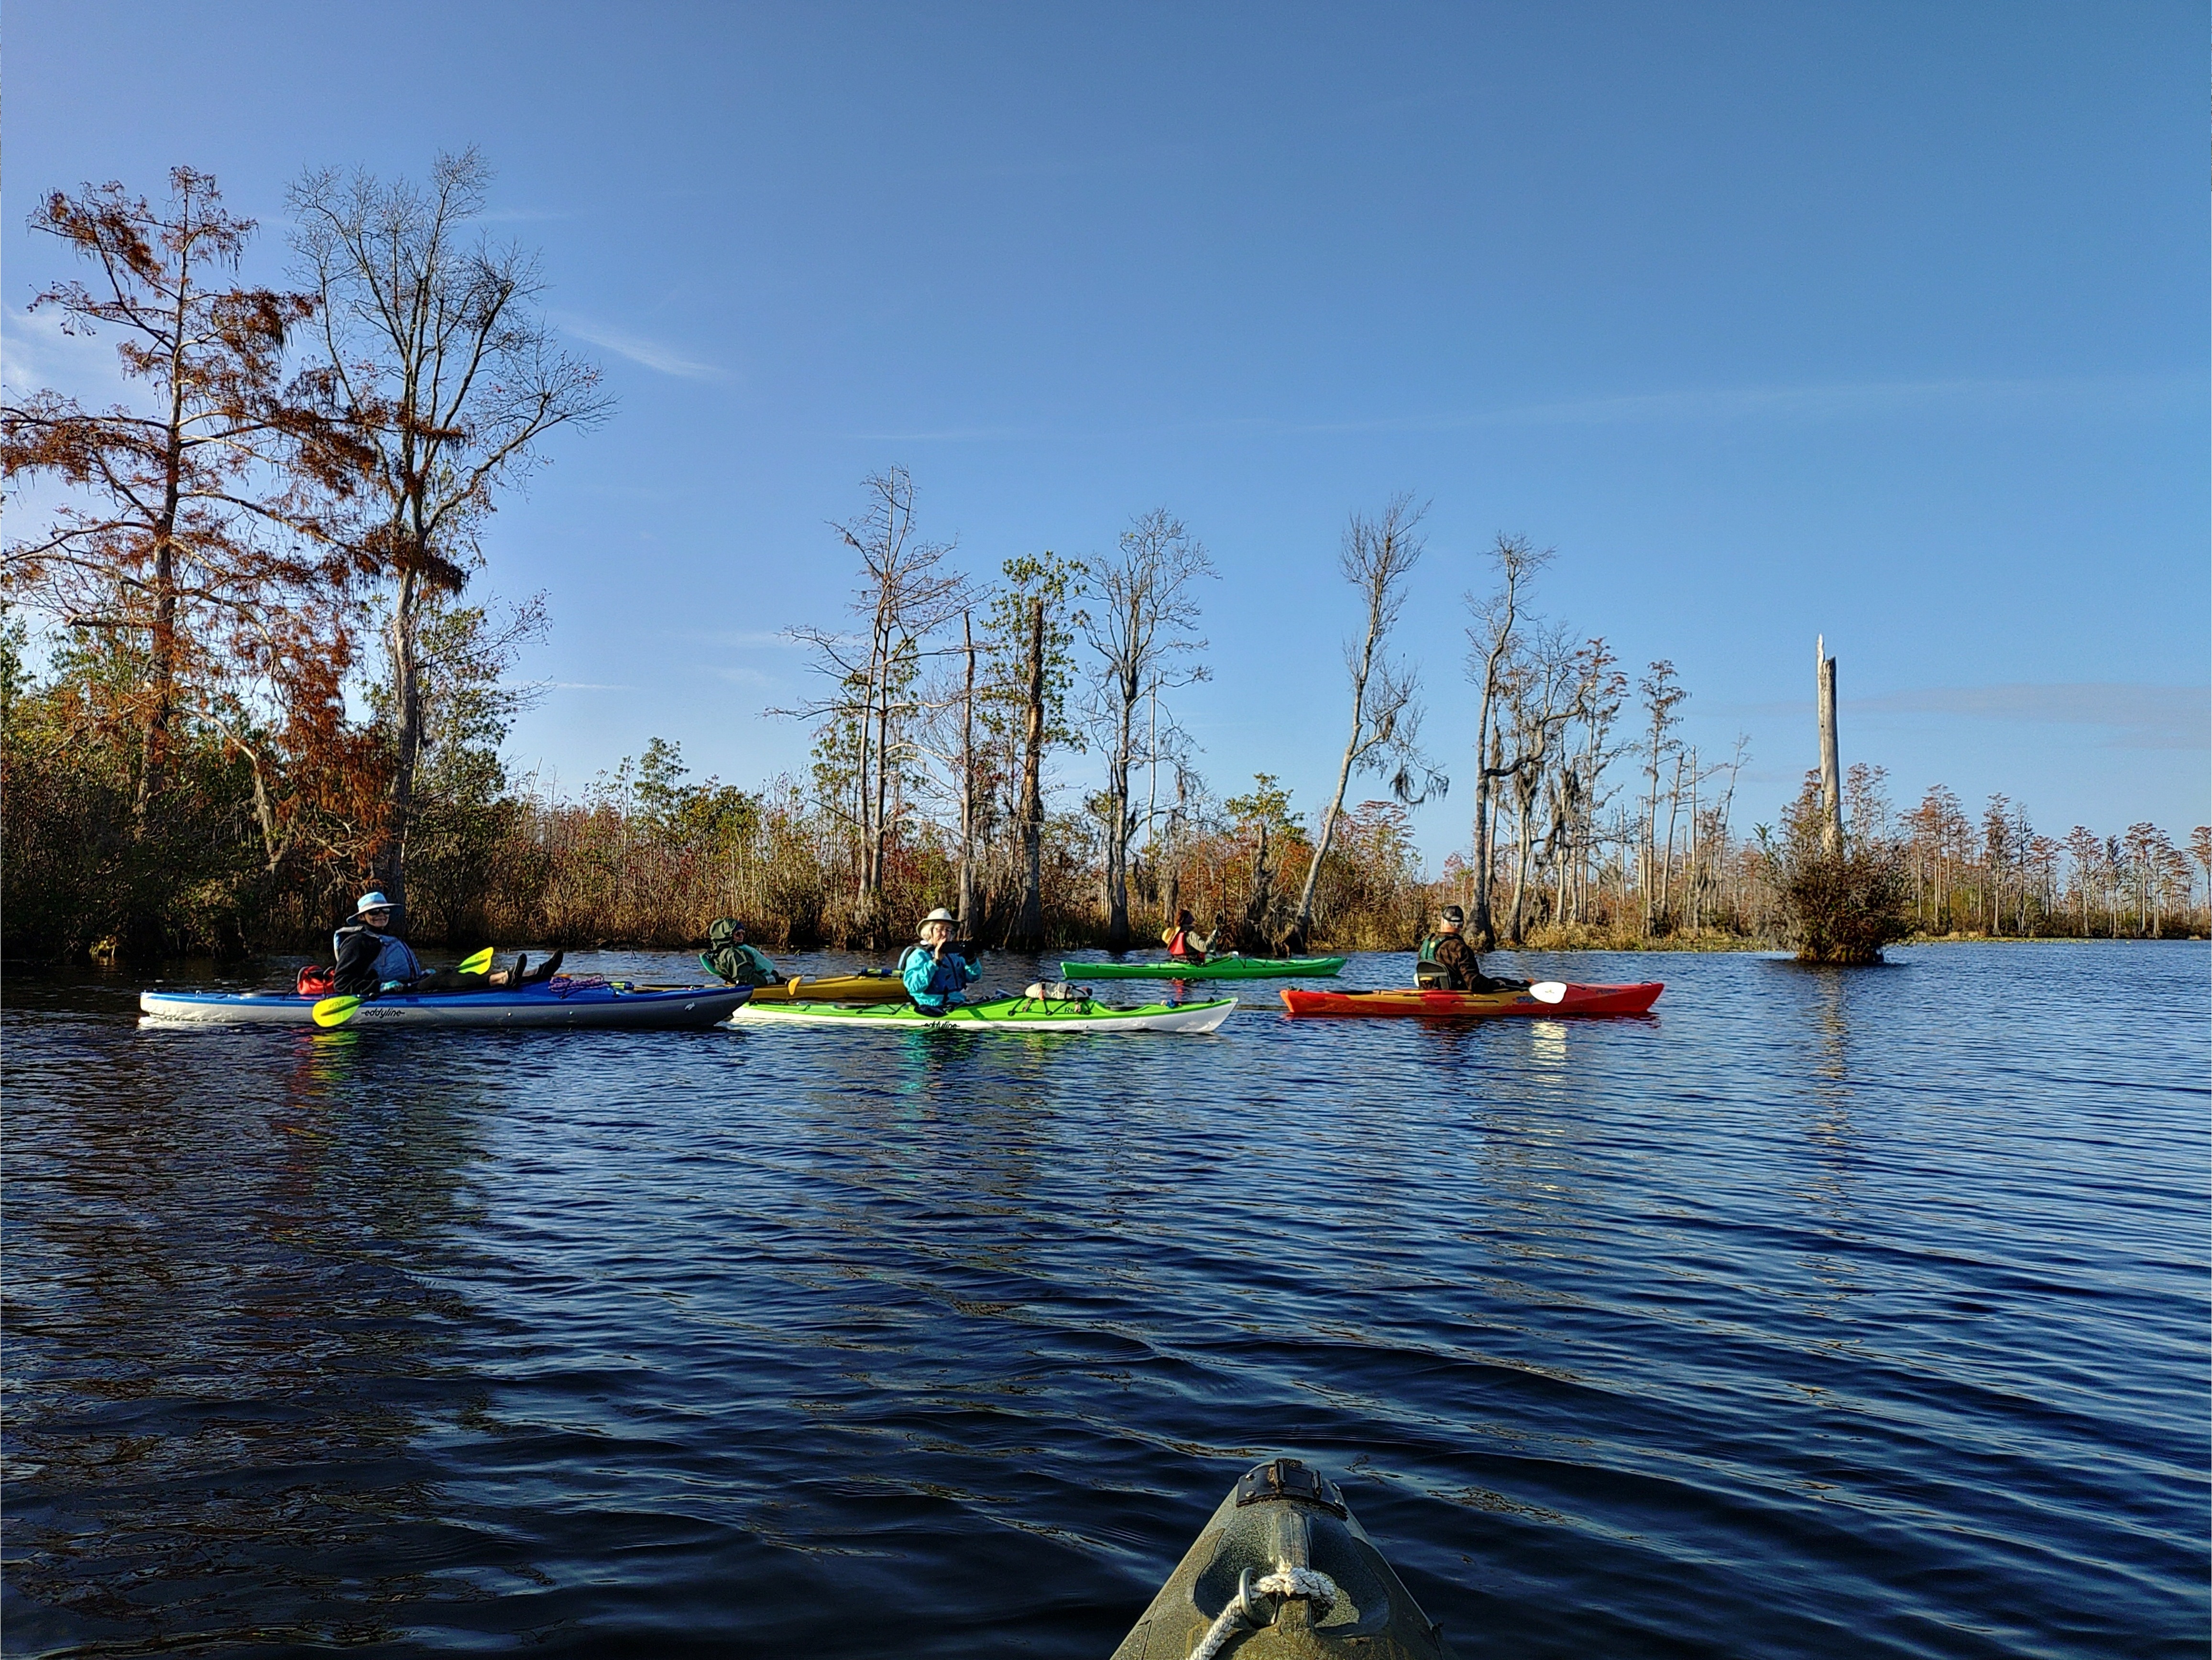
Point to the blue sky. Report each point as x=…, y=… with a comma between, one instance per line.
x=1887, y=322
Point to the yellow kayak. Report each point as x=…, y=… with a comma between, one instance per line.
x=879, y=987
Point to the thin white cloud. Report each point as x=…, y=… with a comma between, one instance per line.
x=744, y=639
x=1839, y=401
x=2138, y=717
x=654, y=355
x=582, y=685
x=2078, y=397
x=35, y=353
x=2135, y=717
x=946, y=436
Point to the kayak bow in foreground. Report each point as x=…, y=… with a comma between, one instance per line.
x=1010, y=1014
x=1214, y=967
x=1534, y=1002
x=1283, y=1571
x=567, y=1004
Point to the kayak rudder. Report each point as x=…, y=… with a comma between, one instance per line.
x=1284, y=1571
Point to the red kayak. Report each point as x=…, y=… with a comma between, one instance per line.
x=1544, y=1000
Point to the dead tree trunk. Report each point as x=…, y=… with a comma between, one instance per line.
x=968, y=780
x=1832, y=783
x=1029, y=927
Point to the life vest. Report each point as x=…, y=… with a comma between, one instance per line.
x=934, y=998
x=1178, y=943
x=1429, y=973
x=396, y=963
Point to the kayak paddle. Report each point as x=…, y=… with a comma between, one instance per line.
x=336, y=1011
x=1548, y=991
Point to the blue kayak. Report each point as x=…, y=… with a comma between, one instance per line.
x=569, y=1004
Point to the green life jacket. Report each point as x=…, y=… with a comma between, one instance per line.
x=1428, y=973
x=733, y=963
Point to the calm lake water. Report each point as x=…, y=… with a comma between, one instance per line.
x=1820, y=1313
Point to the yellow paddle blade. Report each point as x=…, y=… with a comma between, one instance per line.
x=478, y=963
x=793, y=987
x=336, y=1010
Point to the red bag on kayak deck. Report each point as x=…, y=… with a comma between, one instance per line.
x=315, y=981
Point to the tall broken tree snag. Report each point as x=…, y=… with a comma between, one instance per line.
x=1841, y=900
x=1832, y=787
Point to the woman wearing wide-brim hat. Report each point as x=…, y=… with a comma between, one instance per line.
x=937, y=972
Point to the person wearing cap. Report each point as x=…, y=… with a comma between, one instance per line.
x=937, y=972
x=1449, y=963
x=370, y=960
x=1184, y=943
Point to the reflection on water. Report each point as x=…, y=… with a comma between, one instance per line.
x=219, y=1286
x=1818, y=1310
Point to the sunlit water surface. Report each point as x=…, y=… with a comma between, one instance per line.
x=1821, y=1313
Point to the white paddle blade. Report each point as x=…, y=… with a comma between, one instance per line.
x=1549, y=991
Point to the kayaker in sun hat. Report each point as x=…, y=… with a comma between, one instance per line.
x=1449, y=963
x=368, y=957
x=370, y=960
x=938, y=971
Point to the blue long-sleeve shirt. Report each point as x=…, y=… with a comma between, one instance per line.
x=934, y=983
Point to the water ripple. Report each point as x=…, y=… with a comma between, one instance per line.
x=1818, y=1312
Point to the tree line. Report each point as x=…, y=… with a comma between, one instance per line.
x=261, y=679
x=290, y=509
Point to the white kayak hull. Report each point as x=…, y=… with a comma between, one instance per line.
x=600, y=1007
x=1008, y=1015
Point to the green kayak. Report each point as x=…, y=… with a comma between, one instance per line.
x=1218, y=968
x=995, y=1014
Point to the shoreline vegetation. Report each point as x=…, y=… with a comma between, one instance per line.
x=259, y=681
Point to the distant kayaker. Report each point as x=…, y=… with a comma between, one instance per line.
x=1184, y=945
x=370, y=959
x=938, y=971
x=737, y=962
x=1449, y=963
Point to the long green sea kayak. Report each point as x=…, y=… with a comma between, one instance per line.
x=1008, y=1014
x=1218, y=968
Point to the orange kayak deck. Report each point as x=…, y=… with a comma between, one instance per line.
x=1579, y=1000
